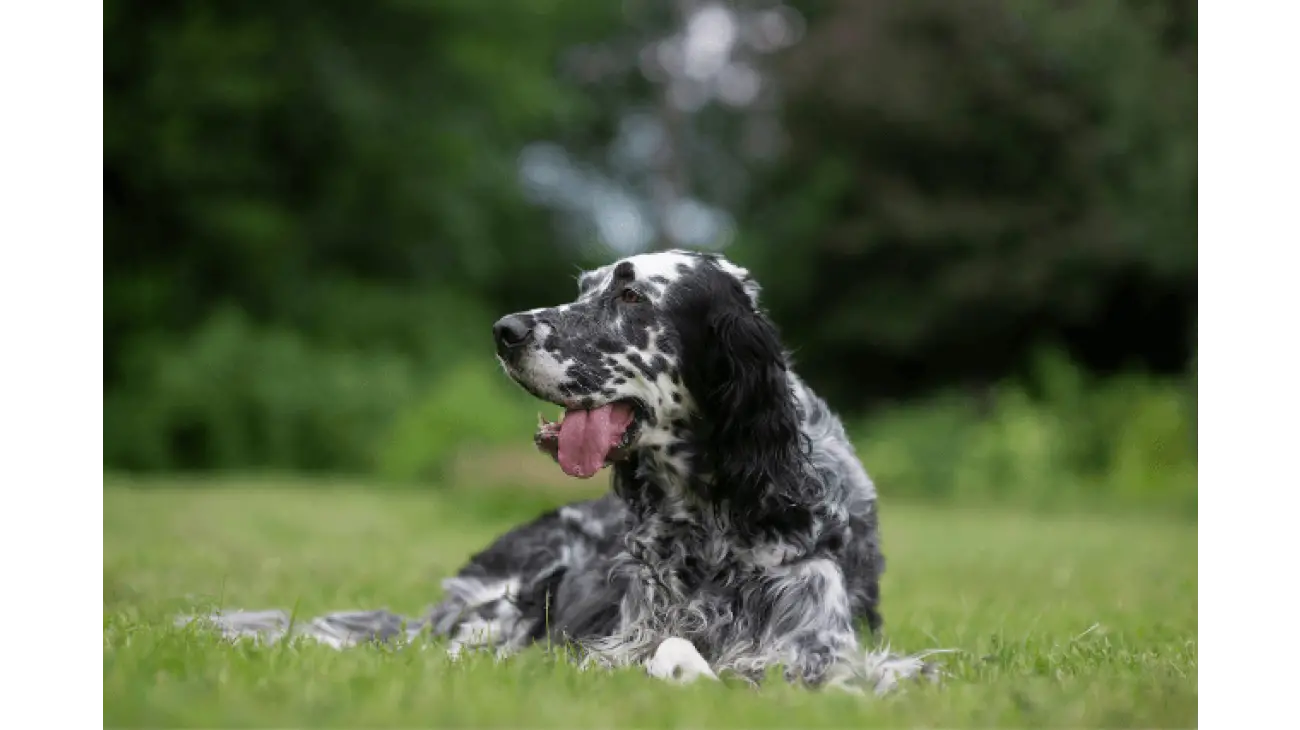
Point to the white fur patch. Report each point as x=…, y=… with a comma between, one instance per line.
x=884, y=671
x=676, y=660
x=647, y=266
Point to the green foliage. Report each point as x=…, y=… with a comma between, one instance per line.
x=1060, y=439
x=253, y=150
x=967, y=179
x=234, y=394
x=312, y=216
x=471, y=406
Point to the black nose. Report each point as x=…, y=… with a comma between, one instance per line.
x=510, y=332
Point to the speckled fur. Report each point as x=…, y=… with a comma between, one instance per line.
x=740, y=519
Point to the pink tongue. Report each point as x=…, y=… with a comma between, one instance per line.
x=587, y=437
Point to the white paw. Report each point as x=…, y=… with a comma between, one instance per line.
x=886, y=671
x=676, y=660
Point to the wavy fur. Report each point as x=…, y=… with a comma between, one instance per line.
x=740, y=520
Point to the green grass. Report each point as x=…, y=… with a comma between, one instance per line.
x=1059, y=620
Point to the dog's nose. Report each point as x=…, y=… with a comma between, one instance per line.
x=510, y=332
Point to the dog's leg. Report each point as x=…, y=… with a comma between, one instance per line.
x=809, y=633
x=483, y=614
x=676, y=660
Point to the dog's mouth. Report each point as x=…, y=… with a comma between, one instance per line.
x=585, y=440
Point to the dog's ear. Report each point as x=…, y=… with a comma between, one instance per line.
x=736, y=370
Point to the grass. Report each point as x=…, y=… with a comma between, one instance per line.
x=1059, y=620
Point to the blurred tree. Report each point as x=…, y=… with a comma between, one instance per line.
x=312, y=208
x=685, y=108
x=967, y=180
x=267, y=154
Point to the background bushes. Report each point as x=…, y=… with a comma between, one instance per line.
x=314, y=211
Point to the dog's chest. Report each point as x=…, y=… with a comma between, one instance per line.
x=693, y=553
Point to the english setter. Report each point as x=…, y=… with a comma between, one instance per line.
x=740, y=534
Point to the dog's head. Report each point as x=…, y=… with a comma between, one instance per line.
x=655, y=346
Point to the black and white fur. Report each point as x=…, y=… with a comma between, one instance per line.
x=740, y=534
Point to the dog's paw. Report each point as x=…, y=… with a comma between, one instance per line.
x=884, y=672
x=676, y=660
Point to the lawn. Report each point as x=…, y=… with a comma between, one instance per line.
x=1058, y=620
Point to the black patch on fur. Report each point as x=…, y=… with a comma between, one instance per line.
x=734, y=365
x=635, y=326
x=650, y=370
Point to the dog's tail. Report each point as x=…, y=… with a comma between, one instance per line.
x=474, y=611
x=340, y=630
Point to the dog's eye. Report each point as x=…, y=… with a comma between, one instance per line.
x=630, y=296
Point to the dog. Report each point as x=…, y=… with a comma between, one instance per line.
x=740, y=535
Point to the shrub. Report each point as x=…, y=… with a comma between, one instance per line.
x=472, y=405
x=1058, y=438
x=233, y=395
